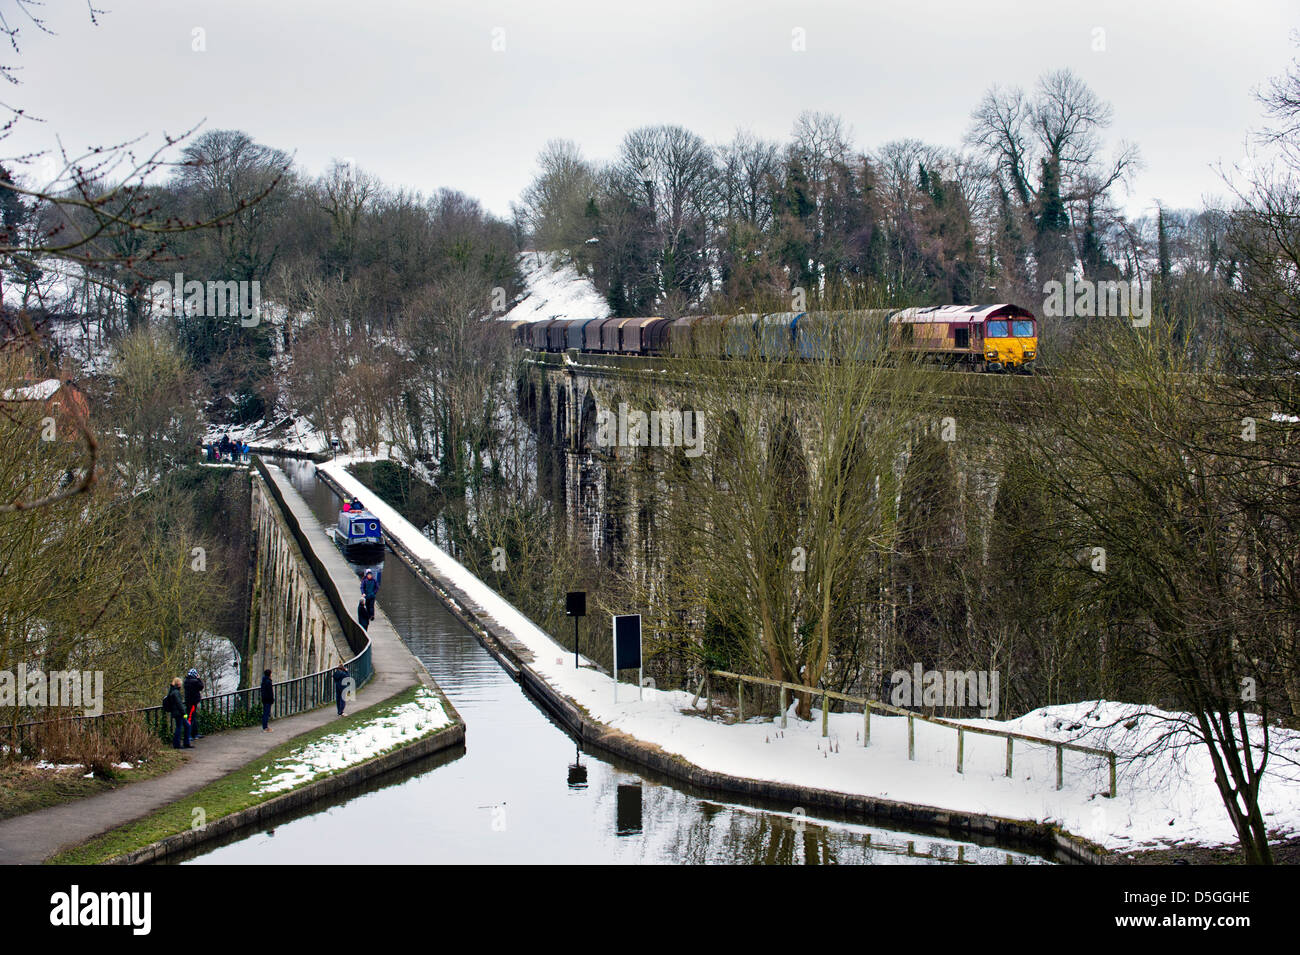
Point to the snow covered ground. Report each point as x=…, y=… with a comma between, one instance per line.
x=555, y=290
x=337, y=751
x=41, y=391
x=1164, y=797
x=286, y=433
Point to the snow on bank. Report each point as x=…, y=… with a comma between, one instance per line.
x=41, y=391
x=405, y=724
x=1163, y=797
x=286, y=433
x=555, y=289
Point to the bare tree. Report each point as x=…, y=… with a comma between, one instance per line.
x=555, y=204
x=1047, y=152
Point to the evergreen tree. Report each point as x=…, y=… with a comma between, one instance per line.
x=1052, y=242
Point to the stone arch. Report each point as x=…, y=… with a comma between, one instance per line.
x=562, y=444
x=788, y=465
x=730, y=444
x=530, y=405
x=587, y=424
x=931, y=606
x=562, y=417
x=545, y=430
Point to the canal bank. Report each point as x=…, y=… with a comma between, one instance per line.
x=519, y=661
x=524, y=791
x=148, y=809
x=261, y=792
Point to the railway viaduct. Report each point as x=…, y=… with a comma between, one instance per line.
x=566, y=397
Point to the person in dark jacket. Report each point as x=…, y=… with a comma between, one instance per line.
x=369, y=589
x=342, y=683
x=193, y=693
x=268, y=697
x=175, y=706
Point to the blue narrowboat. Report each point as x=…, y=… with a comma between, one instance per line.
x=359, y=533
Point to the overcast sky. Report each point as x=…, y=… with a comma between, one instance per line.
x=414, y=91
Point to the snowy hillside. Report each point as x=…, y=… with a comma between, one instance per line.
x=554, y=289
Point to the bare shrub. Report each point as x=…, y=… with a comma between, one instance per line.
x=130, y=739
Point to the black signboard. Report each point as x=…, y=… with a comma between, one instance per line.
x=627, y=641
x=575, y=604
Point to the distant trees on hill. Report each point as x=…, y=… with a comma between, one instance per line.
x=672, y=224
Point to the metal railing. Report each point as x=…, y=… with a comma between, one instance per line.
x=215, y=713
x=868, y=705
x=239, y=707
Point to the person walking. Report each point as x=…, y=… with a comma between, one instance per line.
x=341, y=682
x=193, y=693
x=268, y=698
x=174, y=705
x=369, y=589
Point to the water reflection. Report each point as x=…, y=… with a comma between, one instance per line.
x=628, y=814
x=522, y=792
x=577, y=772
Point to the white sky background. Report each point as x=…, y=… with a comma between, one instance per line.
x=414, y=92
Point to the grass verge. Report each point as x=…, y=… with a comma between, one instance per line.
x=24, y=789
x=230, y=794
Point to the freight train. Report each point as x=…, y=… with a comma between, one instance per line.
x=973, y=337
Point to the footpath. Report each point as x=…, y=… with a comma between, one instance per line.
x=32, y=838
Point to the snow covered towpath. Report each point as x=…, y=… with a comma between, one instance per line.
x=1164, y=797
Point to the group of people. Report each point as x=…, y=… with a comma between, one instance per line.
x=226, y=450
x=182, y=703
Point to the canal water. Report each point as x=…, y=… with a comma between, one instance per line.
x=521, y=792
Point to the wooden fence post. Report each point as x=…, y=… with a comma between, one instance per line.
x=783, y=707
x=1060, y=764
x=1112, y=775
x=961, y=747
x=911, y=738
x=866, y=723
x=1011, y=740
x=826, y=711
x=740, y=700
